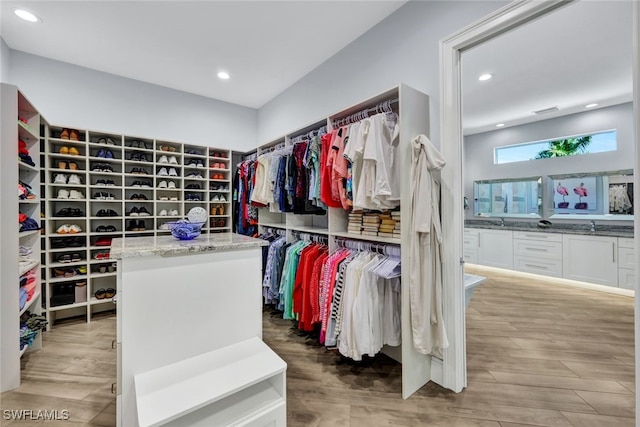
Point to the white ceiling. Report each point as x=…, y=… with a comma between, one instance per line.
x=578, y=55
x=266, y=46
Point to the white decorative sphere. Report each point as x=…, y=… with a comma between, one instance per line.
x=197, y=214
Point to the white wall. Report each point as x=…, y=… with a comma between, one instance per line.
x=404, y=48
x=478, y=148
x=82, y=98
x=5, y=58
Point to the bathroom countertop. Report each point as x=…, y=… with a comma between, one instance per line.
x=133, y=247
x=584, y=229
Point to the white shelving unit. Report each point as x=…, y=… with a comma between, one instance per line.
x=413, y=110
x=119, y=176
x=15, y=105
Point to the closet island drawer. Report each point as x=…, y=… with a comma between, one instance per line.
x=626, y=278
x=625, y=242
x=547, y=237
x=543, y=266
x=470, y=232
x=538, y=249
x=626, y=258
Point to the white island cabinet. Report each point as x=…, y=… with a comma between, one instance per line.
x=495, y=248
x=189, y=334
x=591, y=259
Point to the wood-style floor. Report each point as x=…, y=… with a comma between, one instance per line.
x=538, y=354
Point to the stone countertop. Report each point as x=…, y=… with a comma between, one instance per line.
x=584, y=229
x=133, y=247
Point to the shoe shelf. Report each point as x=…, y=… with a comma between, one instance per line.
x=105, y=160
x=67, y=157
x=29, y=201
x=57, y=142
x=65, y=264
x=96, y=301
x=97, y=275
x=68, y=279
x=26, y=267
x=67, y=306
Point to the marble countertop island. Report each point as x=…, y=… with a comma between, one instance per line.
x=133, y=247
x=584, y=229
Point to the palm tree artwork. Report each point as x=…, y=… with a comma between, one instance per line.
x=565, y=147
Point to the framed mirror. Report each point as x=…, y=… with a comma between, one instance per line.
x=599, y=195
x=517, y=197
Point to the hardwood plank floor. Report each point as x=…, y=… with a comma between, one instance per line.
x=537, y=355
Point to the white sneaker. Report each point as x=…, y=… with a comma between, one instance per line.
x=215, y=198
x=173, y=160
x=173, y=198
x=162, y=184
x=60, y=179
x=163, y=172
x=63, y=194
x=172, y=172
x=74, y=179
x=222, y=198
x=75, y=194
x=163, y=159
x=173, y=212
x=163, y=226
x=163, y=212
x=163, y=198
x=172, y=184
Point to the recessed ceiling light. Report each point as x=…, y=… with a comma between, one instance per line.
x=223, y=75
x=26, y=15
x=499, y=125
x=485, y=77
x=590, y=105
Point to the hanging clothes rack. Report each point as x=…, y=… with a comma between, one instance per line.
x=311, y=237
x=382, y=107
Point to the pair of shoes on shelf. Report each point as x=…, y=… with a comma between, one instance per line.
x=172, y=212
x=72, y=179
x=71, y=151
x=67, y=258
x=139, y=197
x=167, y=148
x=171, y=160
x=190, y=197
x=138, y=144
x=102, y=255
x=218, y=223
x=217, y=176
x=67, y=242
x=70, y=134
x=101, y=195
x=102, y=167
x=71, y=195
x=136, y=225
x=103, y=293
x=196, y=163
x=217, y=210
x=141, y=184
x=69, y=212
x=194, y=176
x=105, y=182
x=221, y=166
x=138, y=157
x=68, y=272
x=165, y=172
x=107, y=141
x=138, y=171
x=103, y=241
x=68, y=165
x=136, y=211
x=105, y=154
x=167, y=184
x=106, y=212
x=219, y=154
x=106, y=229
x=192, y=187
x=168, y=198
x=106, y=268
x=218, y=198
x=69, y=229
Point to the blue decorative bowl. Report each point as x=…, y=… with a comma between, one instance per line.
x=185, y=230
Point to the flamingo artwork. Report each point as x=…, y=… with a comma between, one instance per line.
x=564, y=191
x=581, y=191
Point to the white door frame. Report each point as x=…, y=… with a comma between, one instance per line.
x=451, y=143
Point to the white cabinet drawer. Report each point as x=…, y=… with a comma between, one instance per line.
x=624, y=242
x=470, y=241
x=626, y=279
x=544, y=266
x=548, y=237
x=538, y=249
x=626, y=258
x=470, y=232
x=470, y=256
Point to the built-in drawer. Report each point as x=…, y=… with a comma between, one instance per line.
x=470, y=241
x=624, y=242
x=538, y=249
x=470, y=256
x=470, y=232
x=626, y=258
x=626, y=278
x=543, y=266
x=547, y=237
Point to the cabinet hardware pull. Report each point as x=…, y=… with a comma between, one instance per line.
x=613, y=251
x=537, y=266
x=536, y=249
x=113, y=345
x=113, y=388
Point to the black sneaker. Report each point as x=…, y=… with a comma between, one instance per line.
x=143, y=212
x=107, y=168
x=143, y=158
x=135, y=157
x=101, y=182
x=134, y=211
x=141, y=226
x=133, y=225
x=111, y=212
x=102, y=212
x=110, y=182
x=142, y=197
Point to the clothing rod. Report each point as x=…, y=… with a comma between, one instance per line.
x=384, y=106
